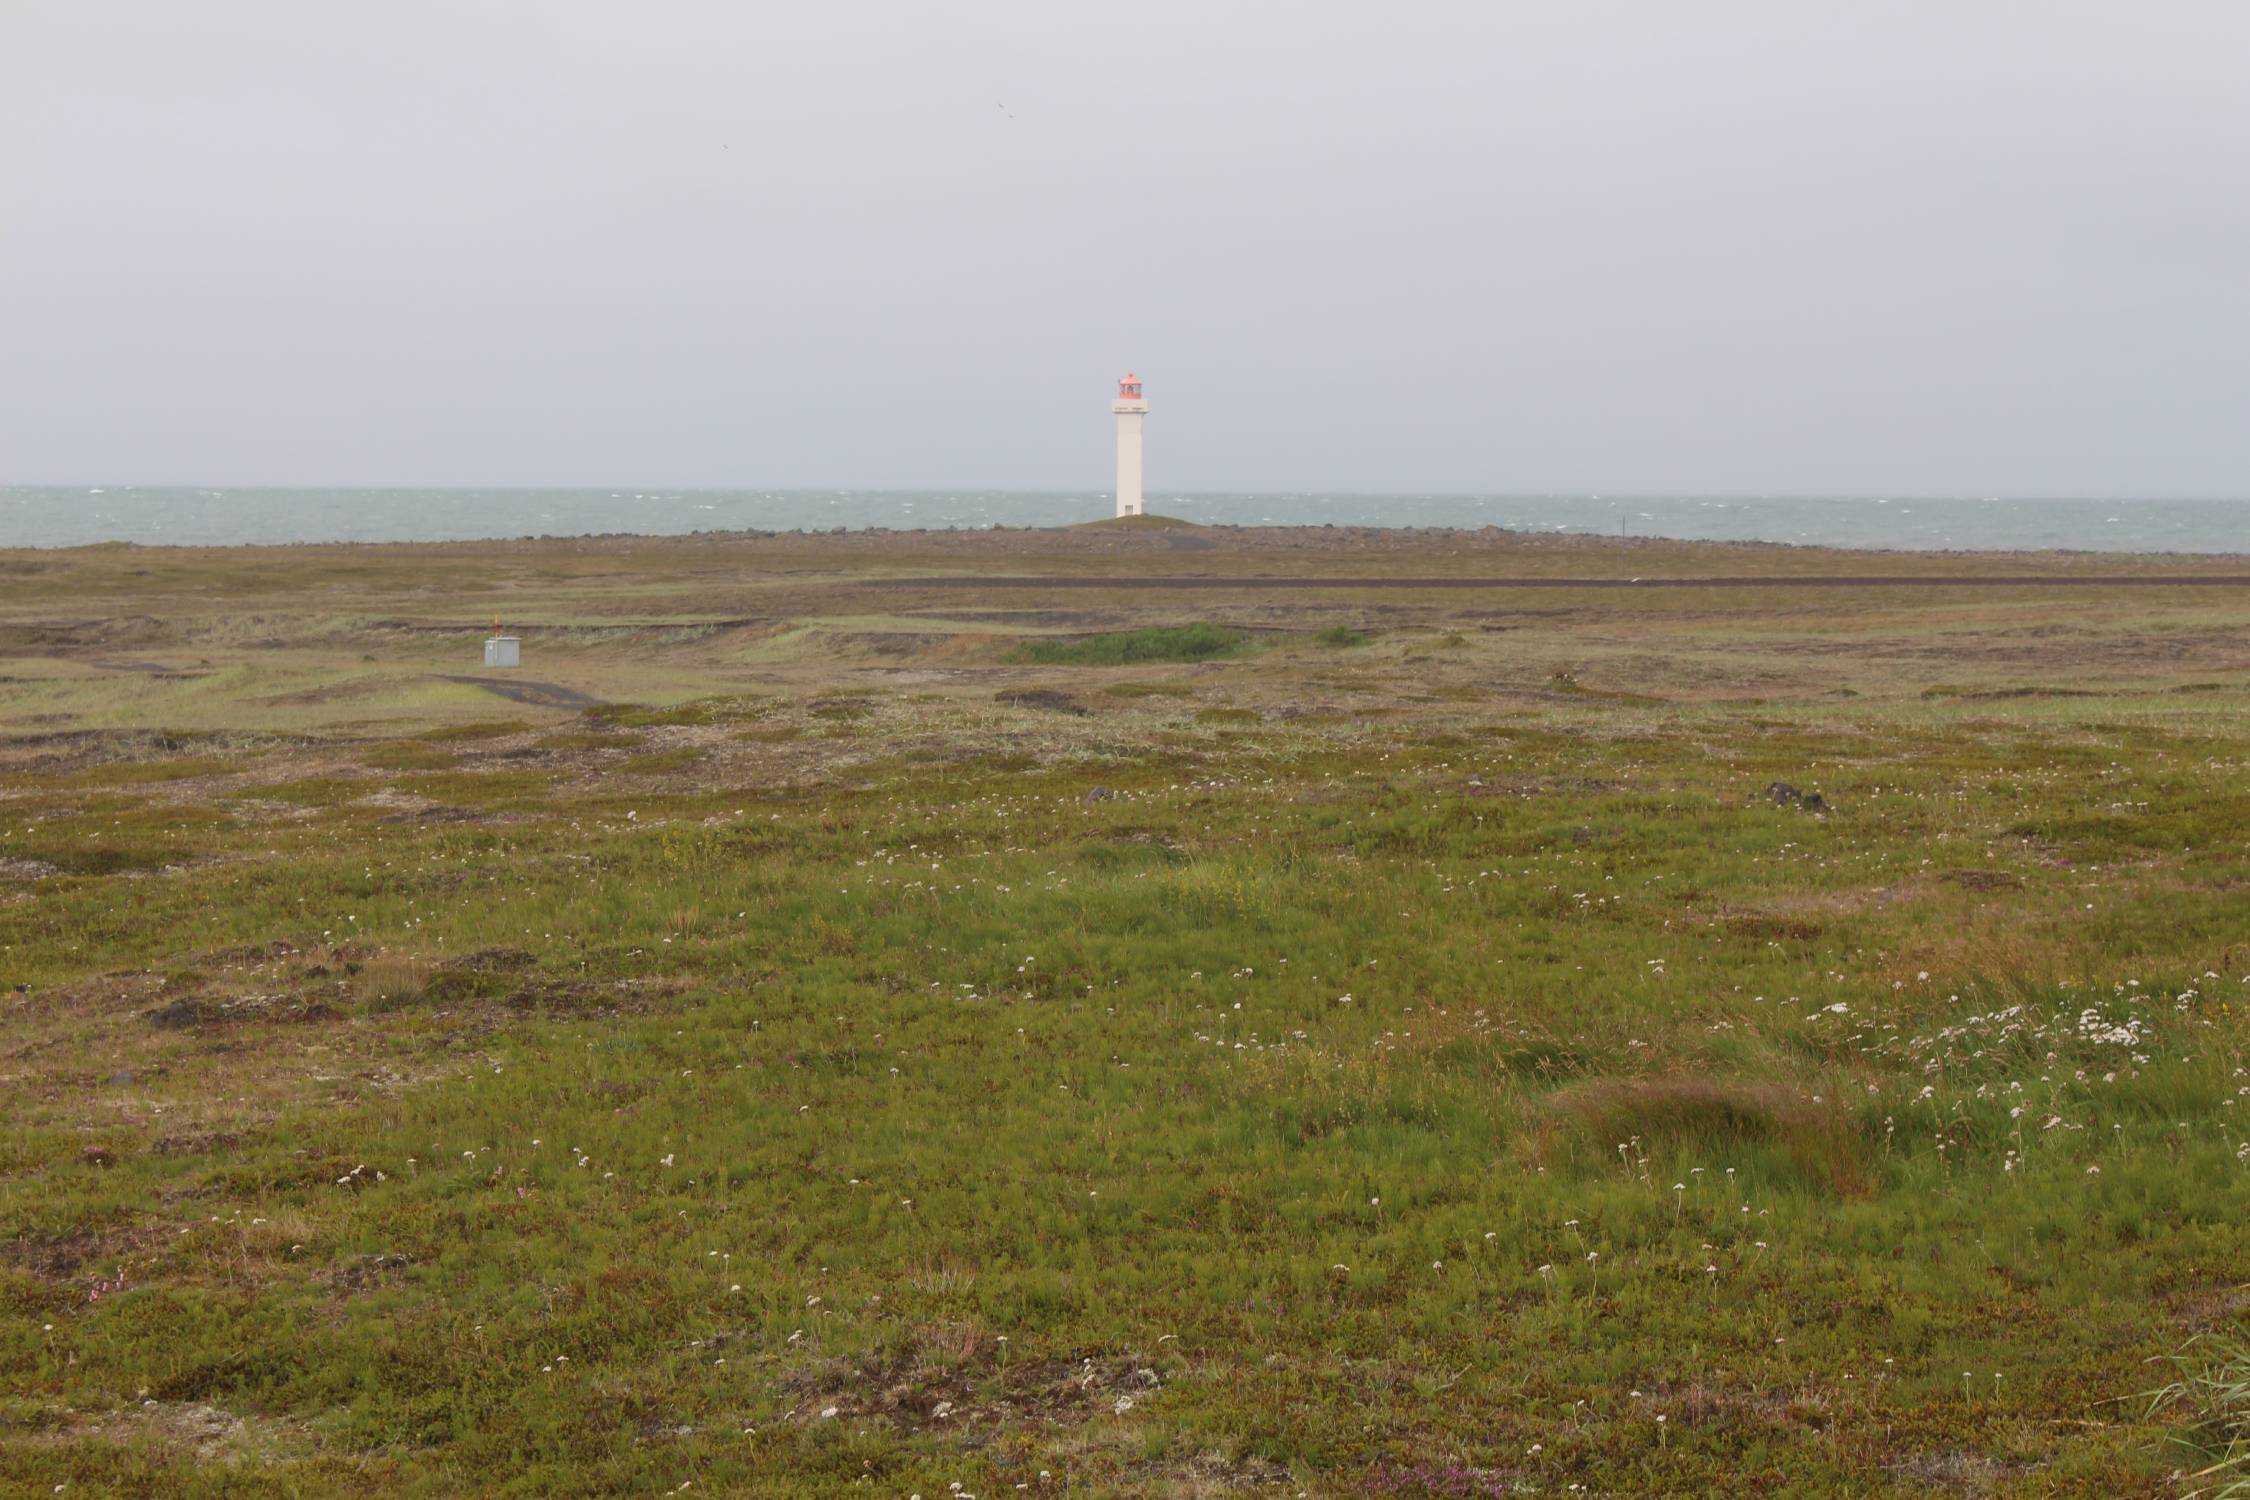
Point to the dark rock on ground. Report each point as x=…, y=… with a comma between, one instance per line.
x=495, y=961
x=178, y=1016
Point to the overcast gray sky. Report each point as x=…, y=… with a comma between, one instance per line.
x=1970, y=247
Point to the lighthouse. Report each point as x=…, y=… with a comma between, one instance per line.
x=1130, y=408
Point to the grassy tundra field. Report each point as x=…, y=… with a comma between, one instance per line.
x=1033, y=1013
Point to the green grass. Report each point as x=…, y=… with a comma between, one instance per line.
x=1149, y=690
x=1421, y=1095
x=728, y=710
x=1175, y=1086
x=459, y=733
x=597, y=740
x=1125, y=648
x=2213, y=1391
x=411, y=756
x=661, y=760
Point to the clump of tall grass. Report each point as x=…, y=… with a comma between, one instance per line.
x=2213, y=1393
x=1198, y=642
x=1688, y=1104
x=391, y=980
x=1692, y=1113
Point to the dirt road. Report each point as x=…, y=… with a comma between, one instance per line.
x=1763, y=580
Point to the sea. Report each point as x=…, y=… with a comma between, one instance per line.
x=80, y=515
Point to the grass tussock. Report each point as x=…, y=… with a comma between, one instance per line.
x=1699, y=1119
x=2212, y=1395
x=390, y=981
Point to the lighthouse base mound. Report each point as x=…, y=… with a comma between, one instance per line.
x=1142, y=522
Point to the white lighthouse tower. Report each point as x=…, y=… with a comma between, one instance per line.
x=1130, y=408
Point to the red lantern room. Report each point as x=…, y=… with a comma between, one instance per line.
x=1129, y=389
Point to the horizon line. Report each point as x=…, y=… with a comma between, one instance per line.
x=1064, y=493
